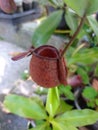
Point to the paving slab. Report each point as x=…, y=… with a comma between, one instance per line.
x=10, y=71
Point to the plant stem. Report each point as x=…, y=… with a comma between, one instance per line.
x=74, y=35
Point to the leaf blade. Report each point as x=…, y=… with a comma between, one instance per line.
x=83, y=6
x=83, y=74
x=46, y=28
x=79, y=118
x=79, y=6
x=24, y=107
x=71, y=20
x=62, y=126
x=94, y=24
x=39, y=127
x=85, y=56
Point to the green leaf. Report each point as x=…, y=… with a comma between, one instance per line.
x=48, y=128
x=79, y=6
x=78, y=118
x=96, y=102
x=25, y=107
x=71, y=20
x=94, y=24
x=46, y=28
x=65, y=126
x=62, y=126
x=63, y=107
x=85, y=56
x=89, y=93
x=96, y=70
x=53, y=101
x=58, y=3
x=84, y=75
x=66, y=90
x=92, y=7
x=42, y=123
x=40, y=127
x=56, y=126
x=82, y=6
x=91, y=104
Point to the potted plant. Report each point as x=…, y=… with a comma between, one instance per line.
x=49, y=69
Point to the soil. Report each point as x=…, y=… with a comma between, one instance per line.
x=12, y=122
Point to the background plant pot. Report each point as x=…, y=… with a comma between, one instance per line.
x=80, y=103
x=18, y=18
x=8, y=6
x=27, y=6
x=35, y=4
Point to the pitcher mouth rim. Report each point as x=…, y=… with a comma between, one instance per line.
x=47, y=58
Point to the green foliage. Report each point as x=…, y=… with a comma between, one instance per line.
x=41, y=91
x=83, y=74
x=53, y=101
x=96, y=101
x=79, y=6
x=62, y=126
x=55, y=105
x=63, y=107
x=59, y=119
x=56, y=114
x=71, y=20
x=25, y=107
x=89, y=93
x=78, y=117
x=96, y=70
x=40, y=127
x=25, y=75
x=91, y=96
x=94, y=24
x=1, y=38
x=66, y=90
x=43, y=2
x=85, y=56
x=82, y=6
x=57, y=3
x=46, y=28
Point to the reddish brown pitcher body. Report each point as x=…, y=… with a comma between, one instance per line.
x=46, y=67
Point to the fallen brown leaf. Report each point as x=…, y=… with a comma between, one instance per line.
x=83, y=128
x=95, y=84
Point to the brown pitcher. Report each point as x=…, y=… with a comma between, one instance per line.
x=8, y=6
x=47, y=69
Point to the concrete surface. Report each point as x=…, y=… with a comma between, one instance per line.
x=10, y=71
